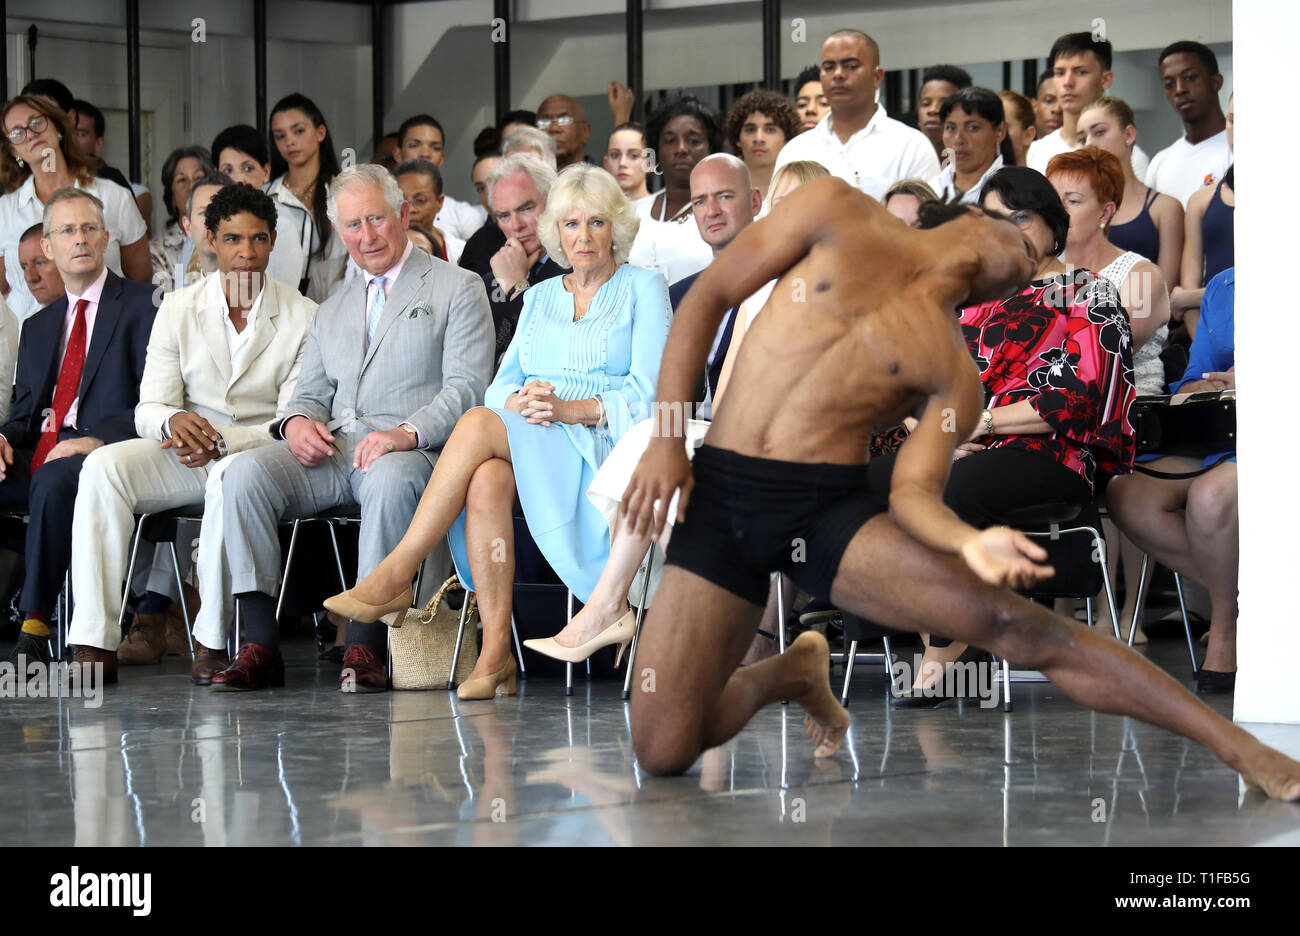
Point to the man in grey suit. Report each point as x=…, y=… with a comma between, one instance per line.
x=392, y=361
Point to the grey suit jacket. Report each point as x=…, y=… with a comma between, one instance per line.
x=430, y=361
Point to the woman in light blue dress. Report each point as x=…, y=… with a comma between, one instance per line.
x=581, y=370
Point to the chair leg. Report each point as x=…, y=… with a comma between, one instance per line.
x=338, y=559
x=636, y=630
x=519, y=650
x=1137, y=601
x=849, y=659
x=1087, y=609
x=568, y=667
x=1006, y=686
x=1105, y=580
x=1187, y=626
x=780, y=611
x=460, y=635
x=65, y=619
x=288, y=560
x=130, y=571
x=889, y=660
x=180, y=590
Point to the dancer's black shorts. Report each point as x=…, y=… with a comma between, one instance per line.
x=749, y=517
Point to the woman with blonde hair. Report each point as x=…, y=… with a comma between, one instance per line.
x=582, y=368
x=39, y=155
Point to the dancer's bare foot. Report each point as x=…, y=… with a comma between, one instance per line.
x=382, y=585
x=590, y=621
x=1271, y=771
x=826, y=720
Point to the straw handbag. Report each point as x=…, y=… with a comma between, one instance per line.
x=422, y=648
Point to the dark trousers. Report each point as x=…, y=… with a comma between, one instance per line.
x=982, y=488
x=49, y=496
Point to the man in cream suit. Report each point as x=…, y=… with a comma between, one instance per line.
x=393, y=359
x=223, y=359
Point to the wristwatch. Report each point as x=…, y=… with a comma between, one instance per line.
x=222, y=449
x=415, y=435
x=988, y=422
x=518, y=289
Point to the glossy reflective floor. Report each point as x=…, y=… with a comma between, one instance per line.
x=165, y=762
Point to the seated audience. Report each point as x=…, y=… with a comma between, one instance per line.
x=563, y=398
x=758, y=125
x=1209, y=242
x=421, y=183
x=488, y=239
x=421, y=137
x=860, y=143
x=938, y=83
x=197, y=258
x=1189, y=72
x=424, y=241
x=517, y=191
x=975, y=133
x=683, y=131
x=1146, y=222
x=99, y=331
x=626, y=160
x=1021, y=130
x=40, y=151
x=1081, y=65
x=564, y=120
x=1190, y=524
x=241, y=155
x=1091, y=183
x=182, y=168
x=1056, y=367
x=224, y=356
x=365, y=426
x=904, y=200
x=810, y=98
x=530, y=140
x=39, y=272
x=1047, y=106
x=385, y=153
x=302, y=165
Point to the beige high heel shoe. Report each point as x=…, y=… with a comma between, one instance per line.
x=487, y=687
x=390, y=613
x=620, y=632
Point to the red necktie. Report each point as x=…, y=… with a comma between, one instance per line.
x=66, y=390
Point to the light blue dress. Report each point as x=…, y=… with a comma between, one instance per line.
x=613, y=351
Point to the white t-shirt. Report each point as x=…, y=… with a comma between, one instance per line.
x=1041, y=153
x=459, y=219
x=883, y=152
x=943, y=183
x=673, y=248
x=20, y=209
x=1182, y=168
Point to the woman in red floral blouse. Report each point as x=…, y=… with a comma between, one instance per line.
x=1056, y=363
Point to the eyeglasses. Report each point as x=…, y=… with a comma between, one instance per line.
x=564, y=120
x=35, y=125
x=68, y=230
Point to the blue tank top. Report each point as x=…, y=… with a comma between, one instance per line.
x=1139, y=235
x=1216, y=235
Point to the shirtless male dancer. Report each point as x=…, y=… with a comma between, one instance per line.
x=859, y=332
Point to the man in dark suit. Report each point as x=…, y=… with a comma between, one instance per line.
x=80, y=360
x=517, y=191
x=724, y=202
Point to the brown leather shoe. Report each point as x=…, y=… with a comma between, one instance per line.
x=176, y=642
x=255, y=667
x=145, y=642
x=87, y=657
x=363, y=671
x=207, y=663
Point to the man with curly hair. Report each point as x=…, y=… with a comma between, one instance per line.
x=758, y=125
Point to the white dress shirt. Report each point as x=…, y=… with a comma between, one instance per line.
x=460, y=219
x=91, y=295
x=883, y=152
x=944, y=184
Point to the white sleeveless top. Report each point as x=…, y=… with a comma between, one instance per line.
x=1148, y=370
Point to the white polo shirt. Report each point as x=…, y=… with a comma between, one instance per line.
x=1042, y=151
x=1182, y=168
x=874, y=158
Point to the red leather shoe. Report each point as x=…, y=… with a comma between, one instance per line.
x=363, y=671
x=255, y=667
